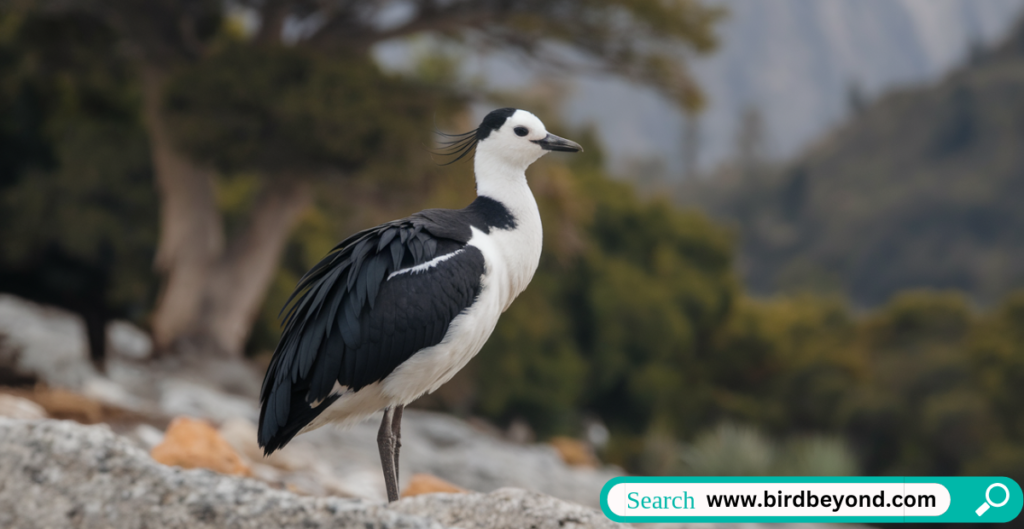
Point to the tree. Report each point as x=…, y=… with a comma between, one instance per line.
x=76, y=194
x=997, y=355
x=212, y=284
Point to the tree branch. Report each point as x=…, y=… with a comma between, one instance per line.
x=341, y=31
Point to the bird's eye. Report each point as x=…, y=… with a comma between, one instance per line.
x=521, y=131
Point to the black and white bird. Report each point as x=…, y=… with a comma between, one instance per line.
x=393, y=312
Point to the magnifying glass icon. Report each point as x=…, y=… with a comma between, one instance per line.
x=988, y=500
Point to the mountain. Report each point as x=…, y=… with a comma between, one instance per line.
x=799, y=62
x=922, y=188
x=796, y=62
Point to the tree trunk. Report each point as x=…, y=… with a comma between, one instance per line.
x=210, y=297
x=191, y=228
x=241, y=278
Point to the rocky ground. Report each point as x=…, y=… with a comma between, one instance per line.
x=171, y=443
x=64, y=474
x=139, y=397
x=121, y=461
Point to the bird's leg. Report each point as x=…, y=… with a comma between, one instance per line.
x=396, y=431
x=386, y=446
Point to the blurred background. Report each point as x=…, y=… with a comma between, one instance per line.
x=794, y=245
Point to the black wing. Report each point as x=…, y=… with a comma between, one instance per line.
x=347, y=322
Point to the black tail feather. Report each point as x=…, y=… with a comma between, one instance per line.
x=272, y=436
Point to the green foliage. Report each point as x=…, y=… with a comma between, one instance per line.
x=640, y=39
x=922, y=386
x=729, y=450
x=75, y=180
x=996, y=348
x=281, y=110
x=918, y=412
x=785, y=364
x=733, y=450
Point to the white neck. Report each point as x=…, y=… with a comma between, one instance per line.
x=520, y=247
x=506, y=184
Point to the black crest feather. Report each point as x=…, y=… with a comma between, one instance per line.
x=461, y=145
x=457, y=145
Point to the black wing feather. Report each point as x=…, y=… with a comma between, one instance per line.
x=348, y=322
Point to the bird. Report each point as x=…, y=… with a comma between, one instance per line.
x=394, y=311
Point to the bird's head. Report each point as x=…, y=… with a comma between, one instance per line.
x=512, y=138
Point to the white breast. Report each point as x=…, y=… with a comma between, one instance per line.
x=506, y=275
x=513, y=257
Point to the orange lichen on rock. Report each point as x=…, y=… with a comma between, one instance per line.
x=191, y=443
x=426, y=484
x=62, y=404
x=574, y=452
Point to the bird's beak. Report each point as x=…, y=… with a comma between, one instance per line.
x=554, y=143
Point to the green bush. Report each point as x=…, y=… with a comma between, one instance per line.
x=733, y=450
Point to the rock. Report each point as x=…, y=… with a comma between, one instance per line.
x=241, y=435
x=126, y=340
x=190, y=443
x=504, y=509
x=63, y=474
x=427, y=484
x=20, y=408
x=346, y=462
x=107, y=391
x=520, y=432
x=453, y=450
x=49, y=343
x=146, y=436
x=574, y=452
x=192, y=398
x=302, y=470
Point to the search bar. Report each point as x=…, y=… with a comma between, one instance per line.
x=804, y=499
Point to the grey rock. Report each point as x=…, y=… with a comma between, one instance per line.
x=453, y=450
x=194, y=398
x=504, y=509
x=48, y=343
x=63, y=474
x=346, y=462
x=126, y=340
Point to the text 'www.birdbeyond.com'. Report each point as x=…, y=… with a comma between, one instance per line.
x=744, y=499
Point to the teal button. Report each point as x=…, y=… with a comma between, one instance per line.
x=978, y=499
x=812, y=499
